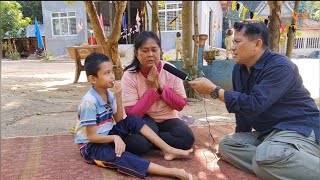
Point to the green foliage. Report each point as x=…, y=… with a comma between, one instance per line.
x=12, y=20
x=14, y=56
x=298, y=33
x=46, y=55
x=32, y=9
x=313, y=8
x=161, y=4
x=167, y=58
x=70, y=3
x=284, y=33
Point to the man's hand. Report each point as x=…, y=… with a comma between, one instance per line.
x=202, y=85
x=120, y=146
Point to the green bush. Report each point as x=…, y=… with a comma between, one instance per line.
x=46, y=55
x=14, y=56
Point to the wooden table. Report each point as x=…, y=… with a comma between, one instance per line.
x=81, y=52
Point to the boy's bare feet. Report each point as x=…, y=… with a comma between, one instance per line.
x=174, y=152
x=182, y=174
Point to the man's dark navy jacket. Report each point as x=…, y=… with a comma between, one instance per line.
x=272, y=96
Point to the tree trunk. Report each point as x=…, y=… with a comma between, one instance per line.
x=159, y=30
x=146, y=17
x=129, y=23
x=274, y=24
x=188, y=66
x=94, y=19
x=110, y=16
x=143, y=17
x=10, y=46
x=196, y=33
x=109, y=47
x=291, y=33
x=187, y=34
x=154, y=25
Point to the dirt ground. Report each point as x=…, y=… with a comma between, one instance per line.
x=40, y=98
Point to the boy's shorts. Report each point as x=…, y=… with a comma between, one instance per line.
x=104, y=154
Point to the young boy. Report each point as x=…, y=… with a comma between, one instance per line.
x=178, y=44
x=228, y=42
x=100, y=141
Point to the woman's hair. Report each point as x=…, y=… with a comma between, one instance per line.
x=139, y=41
x=93, y=61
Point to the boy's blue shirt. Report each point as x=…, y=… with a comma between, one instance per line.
x=94, y=111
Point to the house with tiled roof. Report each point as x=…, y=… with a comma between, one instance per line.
x=308, y=42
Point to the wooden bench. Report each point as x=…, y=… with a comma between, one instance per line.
x=81, y=52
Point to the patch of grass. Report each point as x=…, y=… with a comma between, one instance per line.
x=14, y=56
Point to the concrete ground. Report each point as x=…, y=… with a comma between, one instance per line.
x=39, y=98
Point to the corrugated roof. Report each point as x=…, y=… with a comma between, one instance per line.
x=31, y=30
x=308, y=23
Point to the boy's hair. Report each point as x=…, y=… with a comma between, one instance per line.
x=178, y=34
x=254, y=30
x=93, y=61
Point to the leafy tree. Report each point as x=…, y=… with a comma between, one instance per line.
x=32, y=9
x=13, y=25
x=13, y=22
x=313, y=7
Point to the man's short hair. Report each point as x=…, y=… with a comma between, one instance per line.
x=254, y=29
x=93, y=61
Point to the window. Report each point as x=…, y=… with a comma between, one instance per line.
x=64, y=23
x=171, y=10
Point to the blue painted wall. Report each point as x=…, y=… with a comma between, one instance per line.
x=220, y=72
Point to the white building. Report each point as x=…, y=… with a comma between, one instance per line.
x=209, y=17
x=68, y=25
